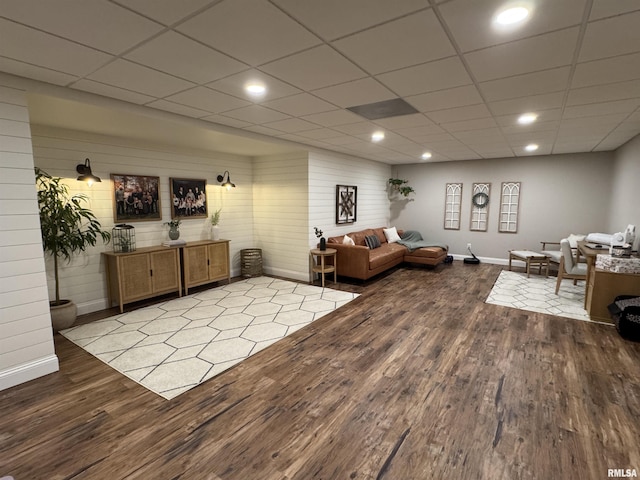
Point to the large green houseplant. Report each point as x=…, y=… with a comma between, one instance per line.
x=67, y=228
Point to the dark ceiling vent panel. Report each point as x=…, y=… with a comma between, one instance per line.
x=386, y=109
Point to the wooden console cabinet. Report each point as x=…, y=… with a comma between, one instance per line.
x=204, y=262
x=142, y=274
x=604, y=286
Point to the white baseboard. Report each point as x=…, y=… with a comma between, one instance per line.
x=28, y=371
x=281, y=272
x=494, y=261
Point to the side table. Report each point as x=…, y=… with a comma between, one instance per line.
x=322, y=268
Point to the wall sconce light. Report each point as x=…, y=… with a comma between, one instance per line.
x=85, y=174
x=227, y=183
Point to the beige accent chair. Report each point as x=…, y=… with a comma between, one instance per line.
x=569, y=267
x=554, y=254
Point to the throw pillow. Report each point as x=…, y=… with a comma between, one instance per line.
x=391, y=234
x=372, y=241
x=347, y=240
x=574, y=239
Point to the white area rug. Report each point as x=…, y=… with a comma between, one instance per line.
x=173, y=346
x=537, y=294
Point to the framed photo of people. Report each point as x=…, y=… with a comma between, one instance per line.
x=188, y=198
x=136, y=198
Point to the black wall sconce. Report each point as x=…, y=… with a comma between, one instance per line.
x=85, y=173
x=227, y=183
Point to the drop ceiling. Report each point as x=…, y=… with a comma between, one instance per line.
x=575, y=63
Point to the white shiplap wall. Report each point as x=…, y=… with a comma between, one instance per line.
x=26, y=337
x=328, y=170
x=280, y=213
x=58, y=151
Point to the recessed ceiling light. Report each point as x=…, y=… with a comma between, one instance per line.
x=426, y=155
x=255, y=89
x=532, y=147
x=511, y=16
x=377, y=136
x=527, y=118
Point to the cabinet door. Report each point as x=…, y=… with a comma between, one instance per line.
x=195, y=261
x=135, y=278
x=218, y=261
x=164, y=265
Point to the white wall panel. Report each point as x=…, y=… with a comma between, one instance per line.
x=26, y=338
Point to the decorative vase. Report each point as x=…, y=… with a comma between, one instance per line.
x=174, y=233
x=63, y=315
x=215, y=232
x=323, y=243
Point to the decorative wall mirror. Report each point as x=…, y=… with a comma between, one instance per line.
x=480, y=207
x=509, y=206
x=452, y=206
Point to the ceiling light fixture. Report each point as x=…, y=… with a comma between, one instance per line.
x=532, y=147
x=527, y=118
x=511, y=16
x=227, y=183
x=377, y=136
x=426, y=155
x=85, y=174
x=255, y=89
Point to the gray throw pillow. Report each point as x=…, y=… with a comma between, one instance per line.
x=372, y=241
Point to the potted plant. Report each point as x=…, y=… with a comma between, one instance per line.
x=323, y=241
x=174, y=228
x=215, y=220
x=399, y=185
x=67, y=228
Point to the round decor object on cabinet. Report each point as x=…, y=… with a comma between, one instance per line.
x=480, y=200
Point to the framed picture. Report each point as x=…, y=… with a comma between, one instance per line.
x=452, y=206
x=188, y=198
x=136, y=198
x=346, y=203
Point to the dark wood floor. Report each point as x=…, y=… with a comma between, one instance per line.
x=418, y=378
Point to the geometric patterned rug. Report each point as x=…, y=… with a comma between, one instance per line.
x=173, y=346
x=537, y=294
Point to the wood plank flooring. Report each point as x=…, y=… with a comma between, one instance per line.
x=418, y=378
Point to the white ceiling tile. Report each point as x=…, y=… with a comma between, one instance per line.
x=174, y=54
x=320, y=133
x=471, y=21
x=510, y=127
x=497, y=152
x=522, y=139
x=292, y=125
x=392, y=45
x=475, y=124
x=544, y=117
x=429, y=77
x=573, y=147
x=32, y=71
x=608, y=70
x=443, y=99
x=526, y=85
x=260, y=33
x=584, y=125
x=131, y=76
x=607, y=8
x=235, y=84
x=359, y=92
x=341, y=140
x=483, y=135
x=231, y=122
x=605, y=108
x=178, y=108
x=419, y=132
x=533, y=103
x=207, y=99
x=333, y=118
x=113, y=92
x=460, y=113
x=404, y=121
x=256, y=114
x=611, y=37
x=44, y=50
x=604, y=93
x=264, y=130
x=542, y=150
x=95, y=23
x=165, y=11
x=523, y=56
x=358, y=128
x=300, y=104
x=316, y=68
x=331, y=19
x=433, y=137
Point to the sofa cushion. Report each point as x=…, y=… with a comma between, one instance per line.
x=358, y=237
x=379, y=232
x=372, y=241
x=387, y=253
x=427, y=252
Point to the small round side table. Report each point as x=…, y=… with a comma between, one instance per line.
x=322, y=268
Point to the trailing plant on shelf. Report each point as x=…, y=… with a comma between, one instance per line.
x=399, y=185
x=67, y=228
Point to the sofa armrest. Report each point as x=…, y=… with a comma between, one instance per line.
x=352, y=260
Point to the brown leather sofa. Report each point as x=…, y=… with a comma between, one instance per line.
x=358, y=261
